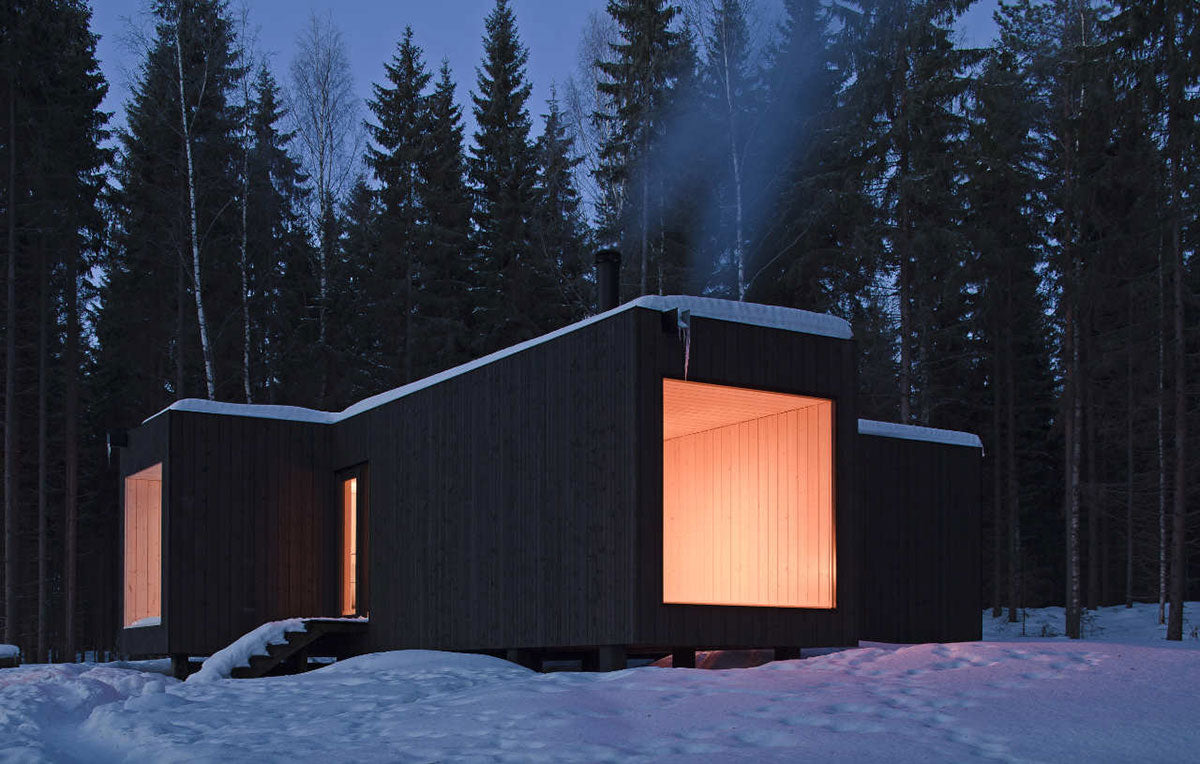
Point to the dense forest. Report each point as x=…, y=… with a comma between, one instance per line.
x=1011, y=231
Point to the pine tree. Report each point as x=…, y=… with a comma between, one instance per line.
x=51, y=131
x=503, y=172
x=1007, y=235
x=1161, y=37
x=443, y=306
x=1077, y=134
x=399, y=148
x=559, y=230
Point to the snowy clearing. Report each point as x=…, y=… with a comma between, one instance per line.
x=1125, y=696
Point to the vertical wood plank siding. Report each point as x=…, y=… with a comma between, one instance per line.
x=922, y=540
x=764, y=359
x=248, y=511
x=517, y=505
x=503, y=500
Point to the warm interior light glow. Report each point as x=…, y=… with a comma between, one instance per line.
x=350, y=546
x=143, y=545
x=747, y=497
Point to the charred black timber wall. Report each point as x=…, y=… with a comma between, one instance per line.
x=520, y=504
x=922, y=540
x=502, y=500
x=249, y=528
x=766, y=359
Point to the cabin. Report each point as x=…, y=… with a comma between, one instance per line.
x=672, y=474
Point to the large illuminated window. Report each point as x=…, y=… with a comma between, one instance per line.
x=747, y=497
x=143, y=547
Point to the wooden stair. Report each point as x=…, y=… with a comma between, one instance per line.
x=321, y=636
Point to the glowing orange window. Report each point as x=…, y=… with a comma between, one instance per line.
x=350, y=546
x=143, y=547
x=747, y=497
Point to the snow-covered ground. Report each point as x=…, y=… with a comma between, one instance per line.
x=1125, y=695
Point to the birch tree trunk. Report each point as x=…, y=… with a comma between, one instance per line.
x=644, y=160
x=904, y=291
x=735, y=160
x=197, y=284
x=244, y=259
x=325, y=108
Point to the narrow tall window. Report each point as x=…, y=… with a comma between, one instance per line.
x=748, y=497
x=143, y=548
x=350, y=546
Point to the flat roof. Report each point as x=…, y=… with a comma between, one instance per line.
x=751, y=314
x=914, y=432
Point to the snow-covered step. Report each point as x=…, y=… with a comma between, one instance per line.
x=283, y=647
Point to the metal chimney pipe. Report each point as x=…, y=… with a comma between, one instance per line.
x=608, y=279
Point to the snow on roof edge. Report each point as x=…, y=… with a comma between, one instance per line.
x=752, y=314
x=914, y=432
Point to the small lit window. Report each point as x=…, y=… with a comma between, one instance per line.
x=350, y=546
x=143, y=547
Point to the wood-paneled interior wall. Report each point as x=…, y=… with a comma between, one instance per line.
x=143, y=545
x=349, y=546
x=748, y=507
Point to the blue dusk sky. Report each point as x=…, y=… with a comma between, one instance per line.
x=450, y=29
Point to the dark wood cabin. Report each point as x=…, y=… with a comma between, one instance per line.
x=674, y=474
x=922, y=534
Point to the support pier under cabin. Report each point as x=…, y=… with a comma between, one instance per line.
x=674, y=474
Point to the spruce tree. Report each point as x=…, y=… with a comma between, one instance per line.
x=559, y=229
x=634, y=95
x=280, y=256
x=731, y=97
x=364, y=352
x=147, y=327
x=396, y=156
x=503, y=171
x=442, y=316
x=818, y=247
x=910, y=81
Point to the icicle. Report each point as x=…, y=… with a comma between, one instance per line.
x=683, y=326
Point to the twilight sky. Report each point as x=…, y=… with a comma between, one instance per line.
x=443, y=28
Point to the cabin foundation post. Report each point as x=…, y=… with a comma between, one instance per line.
x=787, y=653
x=683, y=658
x=610, y=658
x=181, y=665
x=530, y=659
